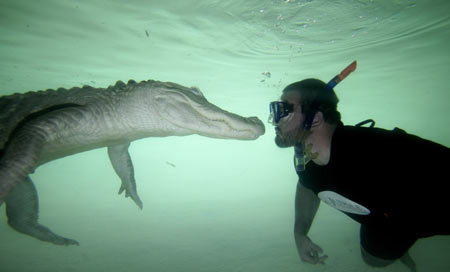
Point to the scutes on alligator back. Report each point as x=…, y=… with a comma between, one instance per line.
x=14, y=108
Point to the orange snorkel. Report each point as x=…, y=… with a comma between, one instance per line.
x=342, y=75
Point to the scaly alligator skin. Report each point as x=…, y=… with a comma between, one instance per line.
x=38, y=127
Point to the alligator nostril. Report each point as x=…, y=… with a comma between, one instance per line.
x=257, y=122
x=254, y=119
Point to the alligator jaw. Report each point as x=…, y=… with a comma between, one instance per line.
x=187, y=111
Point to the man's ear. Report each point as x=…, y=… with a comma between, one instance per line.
x=318, y=120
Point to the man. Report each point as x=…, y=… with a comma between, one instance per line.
x=393, y=183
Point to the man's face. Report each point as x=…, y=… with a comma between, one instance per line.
x=289, y=128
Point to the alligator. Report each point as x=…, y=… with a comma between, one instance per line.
x=41, y=126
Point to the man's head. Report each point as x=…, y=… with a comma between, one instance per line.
x=307, y=97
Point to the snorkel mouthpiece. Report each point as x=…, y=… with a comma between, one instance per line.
x=301, y=157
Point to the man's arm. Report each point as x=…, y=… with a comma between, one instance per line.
x=306, y=205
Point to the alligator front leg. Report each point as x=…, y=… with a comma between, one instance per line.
x=122, y=164
x=22, y=210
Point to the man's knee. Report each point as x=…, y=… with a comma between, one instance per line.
x=374, y=261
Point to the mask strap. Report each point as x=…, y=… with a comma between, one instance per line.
x=309, y=120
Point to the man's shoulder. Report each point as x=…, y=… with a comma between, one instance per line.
x=358, y=132
x=351, y=129
x=359, y=135
x=386, y=139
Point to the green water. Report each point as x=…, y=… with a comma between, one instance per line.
x=217, y=205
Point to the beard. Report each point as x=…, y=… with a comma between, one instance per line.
x=282, y=142
x=287, y=139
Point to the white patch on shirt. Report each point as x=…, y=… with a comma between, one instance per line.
x=342, y=203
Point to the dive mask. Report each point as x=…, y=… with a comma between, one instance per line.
x=278, y=110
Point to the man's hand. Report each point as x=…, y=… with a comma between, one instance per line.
x=310, y=252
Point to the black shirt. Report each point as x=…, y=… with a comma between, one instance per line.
x=385, y=177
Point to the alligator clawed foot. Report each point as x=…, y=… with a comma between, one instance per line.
x=62, y=241
x=131, y=192
x=42, y=233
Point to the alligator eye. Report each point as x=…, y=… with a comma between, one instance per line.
x=196, y=91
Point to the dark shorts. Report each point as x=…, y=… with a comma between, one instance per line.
x=387, y=243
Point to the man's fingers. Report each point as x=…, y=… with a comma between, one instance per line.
x=316, y=248
x=314, y=258
x=322, y=259
x=311, y=252
x=319, y=259
x=309, y=258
